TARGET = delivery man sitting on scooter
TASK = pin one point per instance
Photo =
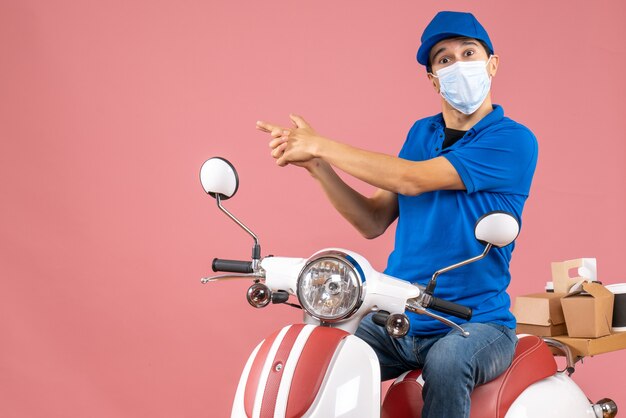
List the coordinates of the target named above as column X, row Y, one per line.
column 453, row 167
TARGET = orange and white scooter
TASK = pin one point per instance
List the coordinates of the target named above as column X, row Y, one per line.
column 320, row 369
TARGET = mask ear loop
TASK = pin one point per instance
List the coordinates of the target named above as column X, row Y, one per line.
column 486, row 64
column 435, row 76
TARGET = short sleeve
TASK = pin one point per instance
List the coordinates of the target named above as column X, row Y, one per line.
column 502, row 160
column 413, row 147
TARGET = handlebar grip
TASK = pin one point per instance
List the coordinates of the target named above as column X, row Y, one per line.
column 450, row 308
column 380, row 318
column 232, row 266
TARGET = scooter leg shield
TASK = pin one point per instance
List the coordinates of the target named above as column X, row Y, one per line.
column 309, row 371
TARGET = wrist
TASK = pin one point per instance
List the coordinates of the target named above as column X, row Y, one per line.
column 316, row 167
column 320, row 146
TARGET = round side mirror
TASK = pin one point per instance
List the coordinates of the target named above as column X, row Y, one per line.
column 497, row 228
column 218, row 176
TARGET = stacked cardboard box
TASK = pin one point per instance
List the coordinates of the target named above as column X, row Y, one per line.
column 540, row 314
column 580, row 315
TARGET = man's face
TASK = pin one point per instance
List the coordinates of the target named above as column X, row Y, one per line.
column 449, row 51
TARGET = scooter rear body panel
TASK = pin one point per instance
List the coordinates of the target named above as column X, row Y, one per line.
column 555, row 396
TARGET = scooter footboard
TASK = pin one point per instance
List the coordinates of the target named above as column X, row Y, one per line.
column 307, row 370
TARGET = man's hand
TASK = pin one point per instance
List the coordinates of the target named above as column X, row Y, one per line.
column 297, row 145
column 300, row 145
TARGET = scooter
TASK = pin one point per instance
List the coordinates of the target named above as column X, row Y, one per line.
column 321, row 369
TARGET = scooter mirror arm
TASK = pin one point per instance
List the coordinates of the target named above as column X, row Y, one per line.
column 256, row 250
column 563, row 348
column 430, row 288
column 415, row 307
column 232, row 276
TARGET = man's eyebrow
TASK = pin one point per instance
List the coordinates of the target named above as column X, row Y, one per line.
column 469, row 43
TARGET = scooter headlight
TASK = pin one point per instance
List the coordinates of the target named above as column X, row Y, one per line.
column 329, row 286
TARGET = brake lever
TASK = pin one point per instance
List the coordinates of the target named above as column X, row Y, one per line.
column 418, row 309
column 232, row 276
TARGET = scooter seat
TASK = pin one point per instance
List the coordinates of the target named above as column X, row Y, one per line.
column 533, row 361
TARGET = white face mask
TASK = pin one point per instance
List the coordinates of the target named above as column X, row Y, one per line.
column 465, row 85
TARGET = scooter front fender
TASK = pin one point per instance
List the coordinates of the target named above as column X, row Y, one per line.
column 309, row 371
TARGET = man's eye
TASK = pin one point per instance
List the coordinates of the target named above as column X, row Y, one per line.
column 469, row 52
column 444, row 61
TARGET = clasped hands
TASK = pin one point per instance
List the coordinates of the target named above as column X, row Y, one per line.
column 298, row 145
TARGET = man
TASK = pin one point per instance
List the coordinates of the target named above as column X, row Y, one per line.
column 453, row 168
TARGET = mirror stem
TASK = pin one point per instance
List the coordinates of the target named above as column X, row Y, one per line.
column 433, row 281
column 256, row 250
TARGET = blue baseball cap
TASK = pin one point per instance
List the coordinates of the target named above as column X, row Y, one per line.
column 451, row 25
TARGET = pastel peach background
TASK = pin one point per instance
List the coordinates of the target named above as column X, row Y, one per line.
column 108, row 109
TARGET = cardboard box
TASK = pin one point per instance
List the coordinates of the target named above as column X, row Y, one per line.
column 540, row 314
column 582, row 347
column 589, row 311
column 541, row 330
column 565, row 274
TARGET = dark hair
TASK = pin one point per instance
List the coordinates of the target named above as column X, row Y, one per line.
column 429, row 68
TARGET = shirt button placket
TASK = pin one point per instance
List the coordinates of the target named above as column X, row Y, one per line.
column 440, row 142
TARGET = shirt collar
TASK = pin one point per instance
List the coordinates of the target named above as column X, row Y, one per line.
column 492, row 117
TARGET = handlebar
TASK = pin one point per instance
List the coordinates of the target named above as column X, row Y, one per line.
column 232, row 266
column 450, row 308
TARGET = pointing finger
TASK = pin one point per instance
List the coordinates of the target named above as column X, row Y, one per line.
column 261, row 126
column 266, row 127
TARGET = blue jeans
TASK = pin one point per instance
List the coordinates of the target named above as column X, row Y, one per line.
column 451, row 364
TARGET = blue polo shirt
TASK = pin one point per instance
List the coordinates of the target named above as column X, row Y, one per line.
column 496, row 161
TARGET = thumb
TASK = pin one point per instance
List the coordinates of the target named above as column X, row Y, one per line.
column 299, row 121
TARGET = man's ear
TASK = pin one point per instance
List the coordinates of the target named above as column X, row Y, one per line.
column 492, row 67
column 435, row 82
